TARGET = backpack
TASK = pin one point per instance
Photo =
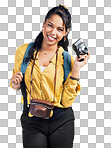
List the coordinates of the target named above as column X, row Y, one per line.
column 66, row 67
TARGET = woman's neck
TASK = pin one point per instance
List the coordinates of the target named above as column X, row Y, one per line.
column 48, row 48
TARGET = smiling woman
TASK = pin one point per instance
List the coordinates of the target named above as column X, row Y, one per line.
column 46, row 59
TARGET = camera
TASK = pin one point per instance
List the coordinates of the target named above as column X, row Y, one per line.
column 80, row 47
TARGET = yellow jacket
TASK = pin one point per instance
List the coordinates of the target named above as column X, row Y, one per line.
column 43, row 83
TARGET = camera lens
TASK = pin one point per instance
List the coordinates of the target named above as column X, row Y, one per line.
column 85, row 50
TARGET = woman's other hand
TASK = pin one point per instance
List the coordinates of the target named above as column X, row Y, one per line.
column 16, row 79
column 84, row 61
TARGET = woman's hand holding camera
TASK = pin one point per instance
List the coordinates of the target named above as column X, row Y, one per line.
column 16, row 79
column 78, row 64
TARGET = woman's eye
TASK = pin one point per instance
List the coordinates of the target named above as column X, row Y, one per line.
column 49, row 25
column 60, row 29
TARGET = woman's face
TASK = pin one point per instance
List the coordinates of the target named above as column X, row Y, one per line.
column 54, row 30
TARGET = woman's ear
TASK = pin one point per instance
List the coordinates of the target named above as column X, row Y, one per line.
column 67, row 31
column 43, row 24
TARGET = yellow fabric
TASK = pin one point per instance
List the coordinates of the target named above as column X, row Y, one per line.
column 43, row 83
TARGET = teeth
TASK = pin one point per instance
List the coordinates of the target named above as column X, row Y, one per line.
column 50, row 37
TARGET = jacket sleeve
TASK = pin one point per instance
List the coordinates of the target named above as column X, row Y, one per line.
column 19, row 54
column 70, row 89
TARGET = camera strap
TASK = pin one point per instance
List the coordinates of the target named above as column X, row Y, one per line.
column 31, row 84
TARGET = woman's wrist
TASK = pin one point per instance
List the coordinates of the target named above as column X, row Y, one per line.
column 75, row 73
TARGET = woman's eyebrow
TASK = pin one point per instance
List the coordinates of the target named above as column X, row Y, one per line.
column 58, row 27
column 51, row 23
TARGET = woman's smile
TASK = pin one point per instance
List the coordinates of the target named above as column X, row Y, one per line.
column 50, row 38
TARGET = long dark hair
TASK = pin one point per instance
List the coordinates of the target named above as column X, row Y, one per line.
column 66, row 17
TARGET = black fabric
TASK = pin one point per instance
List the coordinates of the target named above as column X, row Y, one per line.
column 24, row 93
column 55, row 132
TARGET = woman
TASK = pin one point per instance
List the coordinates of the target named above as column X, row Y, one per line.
column 58, row 130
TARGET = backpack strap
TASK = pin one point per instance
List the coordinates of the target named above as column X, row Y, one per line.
column 24, row 64
column 67, row 64
column 23, row 86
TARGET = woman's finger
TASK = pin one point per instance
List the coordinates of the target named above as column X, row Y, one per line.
column 18, row 76
column 88, row 54
column 14, row 80
column 17, row 79
column 16, row 85
column 83, row 56
column 19, row 73
column 86, row 61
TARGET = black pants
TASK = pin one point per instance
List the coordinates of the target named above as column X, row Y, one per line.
column 55, row 132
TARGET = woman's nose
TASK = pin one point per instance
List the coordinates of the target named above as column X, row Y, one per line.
column 53, row 31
